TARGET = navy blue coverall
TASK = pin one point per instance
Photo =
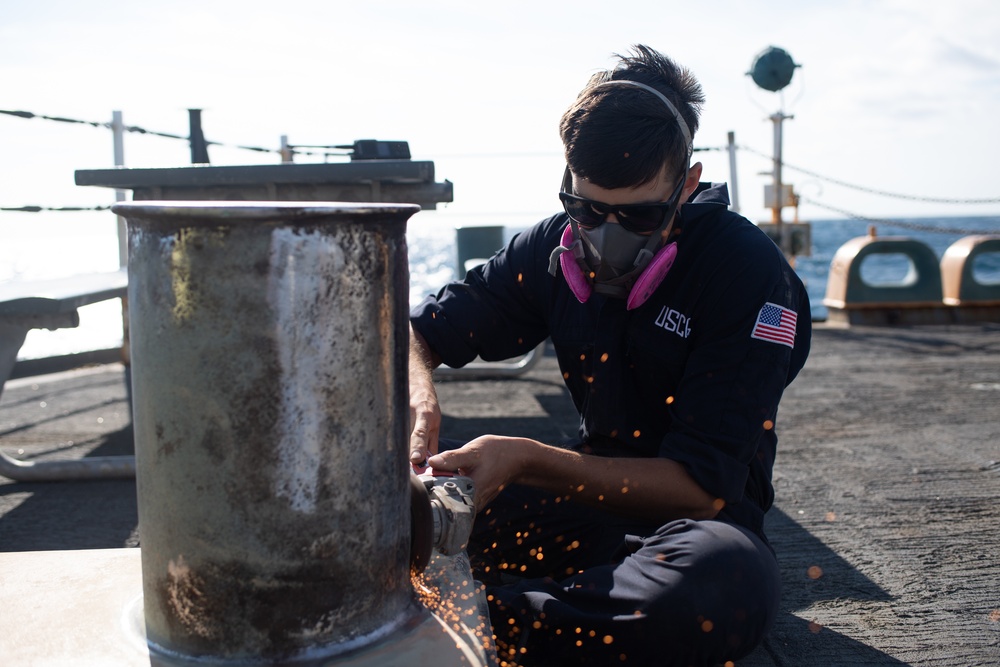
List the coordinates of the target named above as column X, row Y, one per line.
column 694, row 375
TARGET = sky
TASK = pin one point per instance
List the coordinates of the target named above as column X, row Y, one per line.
column 899, row 96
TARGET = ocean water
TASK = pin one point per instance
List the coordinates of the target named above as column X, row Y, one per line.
column 31, row 251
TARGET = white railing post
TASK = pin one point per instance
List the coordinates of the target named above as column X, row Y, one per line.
column 118, row 132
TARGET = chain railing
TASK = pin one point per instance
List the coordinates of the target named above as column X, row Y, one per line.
column 338, row 151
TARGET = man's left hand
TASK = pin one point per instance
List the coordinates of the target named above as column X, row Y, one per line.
column 490, row 461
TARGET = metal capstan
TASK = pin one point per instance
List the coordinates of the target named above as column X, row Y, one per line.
column 269, row 352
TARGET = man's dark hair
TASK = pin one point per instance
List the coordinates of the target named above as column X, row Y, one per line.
column 622, row 136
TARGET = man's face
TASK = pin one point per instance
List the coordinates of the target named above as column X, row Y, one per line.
column 656, row 191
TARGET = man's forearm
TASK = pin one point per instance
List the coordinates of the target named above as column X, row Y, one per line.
column 659, row 490
column 421, row 353
column 653, row 488
column 425, row 413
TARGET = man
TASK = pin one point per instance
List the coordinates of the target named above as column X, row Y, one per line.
column 677, row 327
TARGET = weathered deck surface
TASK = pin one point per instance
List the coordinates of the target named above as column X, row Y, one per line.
column 887, row 521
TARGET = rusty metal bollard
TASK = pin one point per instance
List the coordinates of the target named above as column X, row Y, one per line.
column 269, row 351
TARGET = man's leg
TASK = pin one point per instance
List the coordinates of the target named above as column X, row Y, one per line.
column 526, row 533
column 693, row 592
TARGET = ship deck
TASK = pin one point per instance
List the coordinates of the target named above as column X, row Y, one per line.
column 887, row 486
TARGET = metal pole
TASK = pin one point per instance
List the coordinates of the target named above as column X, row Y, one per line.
column 776, row 204
column 94, row 467
column 734, row 191
column 199, row 149
column 270, row 415
column 286, row 150
column 118, row 132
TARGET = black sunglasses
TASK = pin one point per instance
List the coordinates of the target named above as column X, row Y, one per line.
column 638, row 218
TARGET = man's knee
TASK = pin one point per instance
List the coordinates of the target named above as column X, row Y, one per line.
column 721, row 592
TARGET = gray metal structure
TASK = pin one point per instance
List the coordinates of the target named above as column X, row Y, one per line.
column 269, row 390
column 377, row 181
column 269, row 352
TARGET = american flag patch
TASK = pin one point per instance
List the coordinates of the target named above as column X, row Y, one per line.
column 775, row 325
